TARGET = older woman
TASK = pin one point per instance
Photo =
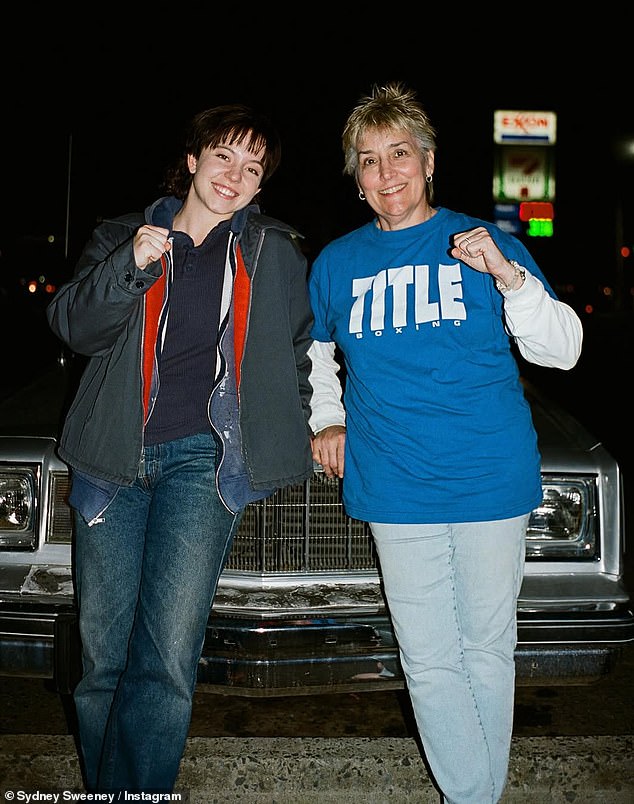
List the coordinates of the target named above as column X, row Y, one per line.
column 434, row 433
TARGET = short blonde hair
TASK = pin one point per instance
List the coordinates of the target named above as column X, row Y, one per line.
column 392, row 106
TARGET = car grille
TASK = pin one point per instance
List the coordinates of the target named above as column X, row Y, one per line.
column 302, row 528
column 60, row 521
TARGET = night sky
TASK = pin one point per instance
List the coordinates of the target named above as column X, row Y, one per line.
column 118, row 110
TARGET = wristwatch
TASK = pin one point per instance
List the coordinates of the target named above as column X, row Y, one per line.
column 517, row 280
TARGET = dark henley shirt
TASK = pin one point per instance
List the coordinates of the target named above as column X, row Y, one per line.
column 187, row 360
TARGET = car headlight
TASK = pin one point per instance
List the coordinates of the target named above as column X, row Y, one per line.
column 565, row 525
column 17, row 508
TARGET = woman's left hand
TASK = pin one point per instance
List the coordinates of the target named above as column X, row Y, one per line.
column 479, row 251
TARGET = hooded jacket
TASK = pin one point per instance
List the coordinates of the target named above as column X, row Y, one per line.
column 115, row 314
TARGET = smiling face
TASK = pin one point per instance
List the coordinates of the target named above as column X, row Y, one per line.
column 226, row 178
column 391, row 175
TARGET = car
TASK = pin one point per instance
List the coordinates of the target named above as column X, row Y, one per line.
column 300, row 608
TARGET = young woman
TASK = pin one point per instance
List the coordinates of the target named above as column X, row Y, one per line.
column 195, row 400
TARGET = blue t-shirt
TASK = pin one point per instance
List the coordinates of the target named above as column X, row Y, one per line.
column 438, row 428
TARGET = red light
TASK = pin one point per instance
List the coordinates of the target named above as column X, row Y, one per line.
column 625, row 251
column 536, row 209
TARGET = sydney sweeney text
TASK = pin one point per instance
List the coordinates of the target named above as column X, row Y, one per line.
column 39, row 796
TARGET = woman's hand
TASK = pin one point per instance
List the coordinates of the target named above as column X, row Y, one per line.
column 479, row 251
column 328, row 449
column 149, row 244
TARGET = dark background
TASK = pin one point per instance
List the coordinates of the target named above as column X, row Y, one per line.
column 94, row 110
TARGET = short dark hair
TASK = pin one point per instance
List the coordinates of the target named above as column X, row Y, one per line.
column 231, row 123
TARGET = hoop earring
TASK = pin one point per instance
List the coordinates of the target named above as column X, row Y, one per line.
column 429, row 179
column 361, row 196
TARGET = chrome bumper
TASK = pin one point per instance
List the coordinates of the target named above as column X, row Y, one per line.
column 281, row 656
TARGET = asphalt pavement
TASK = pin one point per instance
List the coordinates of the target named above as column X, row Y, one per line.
column 582, row 770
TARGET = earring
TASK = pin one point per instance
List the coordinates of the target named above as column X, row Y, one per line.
column 429, row 178
column 361, row 196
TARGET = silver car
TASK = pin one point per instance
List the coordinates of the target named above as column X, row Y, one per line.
column 300, row 609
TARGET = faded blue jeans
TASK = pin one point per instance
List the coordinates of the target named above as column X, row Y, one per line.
column 146, row 576
column 452, row 592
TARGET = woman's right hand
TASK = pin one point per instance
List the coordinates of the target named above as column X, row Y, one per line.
column 149, row 244
column 328, row 449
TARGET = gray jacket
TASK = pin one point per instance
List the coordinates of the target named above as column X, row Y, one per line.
column 110, row 312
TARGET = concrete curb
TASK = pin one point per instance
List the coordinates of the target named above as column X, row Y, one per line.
column 560, row 770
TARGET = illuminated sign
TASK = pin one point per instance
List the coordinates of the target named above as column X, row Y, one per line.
column 523, row 174
column 540, row 227
column 524, row 128
column 536, row 209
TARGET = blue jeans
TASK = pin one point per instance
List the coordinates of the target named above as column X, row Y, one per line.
column 452, row 592
column 146, row 576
